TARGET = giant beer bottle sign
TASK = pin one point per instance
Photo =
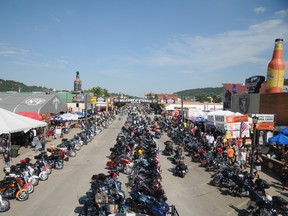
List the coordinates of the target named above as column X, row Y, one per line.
column 276, row 69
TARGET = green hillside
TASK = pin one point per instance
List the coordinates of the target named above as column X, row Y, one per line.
column 10, row 85
column 202, row 94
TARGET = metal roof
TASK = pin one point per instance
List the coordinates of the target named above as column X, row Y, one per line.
column 32, row 102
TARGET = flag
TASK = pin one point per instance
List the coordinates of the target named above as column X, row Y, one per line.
column 243, row 127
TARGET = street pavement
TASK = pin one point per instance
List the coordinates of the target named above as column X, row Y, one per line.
column 192, row 192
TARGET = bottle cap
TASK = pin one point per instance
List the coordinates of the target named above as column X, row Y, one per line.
column 279, row 39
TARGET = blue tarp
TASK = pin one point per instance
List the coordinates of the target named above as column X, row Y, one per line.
column 280, row 139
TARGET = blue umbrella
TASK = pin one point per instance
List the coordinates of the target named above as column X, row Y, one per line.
column 199, row 119
column 284, row 131
column 280, row 139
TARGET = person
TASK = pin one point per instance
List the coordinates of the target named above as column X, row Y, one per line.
column 257, row 163
column 284, row 176
column 7, row 158
column 243, row 158
column 101, row 199
column 43, row 142
column 230, row 153
column 36, row 143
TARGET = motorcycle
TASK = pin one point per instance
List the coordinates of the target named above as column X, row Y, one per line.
column 168, row 148
column 148, row 204
column 11, row 188
column 262, row 204
column 181, row 170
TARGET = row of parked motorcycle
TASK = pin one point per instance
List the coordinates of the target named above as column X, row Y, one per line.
column 136, row 155
column 228, row 178
column 20, row 179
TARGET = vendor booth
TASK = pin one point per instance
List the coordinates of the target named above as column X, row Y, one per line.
column 233, row 125
column 11, row 123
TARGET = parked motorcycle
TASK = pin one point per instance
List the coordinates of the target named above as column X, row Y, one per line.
column 11, row 188
column 181, row 170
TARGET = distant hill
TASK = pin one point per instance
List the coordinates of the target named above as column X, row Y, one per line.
column 200, row 91
column 10, row 85
column 202, row 94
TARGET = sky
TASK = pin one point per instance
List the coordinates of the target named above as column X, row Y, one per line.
column 139, row 46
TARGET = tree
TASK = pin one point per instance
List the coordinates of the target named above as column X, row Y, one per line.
column 99, row 92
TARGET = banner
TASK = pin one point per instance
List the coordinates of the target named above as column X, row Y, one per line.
column 234, row 119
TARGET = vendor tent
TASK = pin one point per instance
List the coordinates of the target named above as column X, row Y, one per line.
column 11, row 122
column 280, row 139
column 69, row 116
column 32, row 115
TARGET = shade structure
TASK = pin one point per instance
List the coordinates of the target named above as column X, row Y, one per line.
column 69, row 116
column 12, row 122
column 280, row 139
column 199, row 119
column 32, row 115
column 284, row 131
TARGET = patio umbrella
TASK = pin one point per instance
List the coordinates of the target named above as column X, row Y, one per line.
column 199, row 119
column 280, row 139
column 284, row 131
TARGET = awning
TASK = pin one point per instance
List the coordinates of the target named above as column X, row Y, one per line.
column 32, row 115
column 11, row 122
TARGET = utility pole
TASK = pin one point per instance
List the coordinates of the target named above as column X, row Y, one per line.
column 182, row 112
column 86, row 121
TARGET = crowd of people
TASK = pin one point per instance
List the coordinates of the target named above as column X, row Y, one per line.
column 236, row 150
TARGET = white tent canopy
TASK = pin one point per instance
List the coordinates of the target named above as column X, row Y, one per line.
column 11, row 122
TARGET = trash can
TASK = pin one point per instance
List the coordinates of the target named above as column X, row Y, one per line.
column 14, row 151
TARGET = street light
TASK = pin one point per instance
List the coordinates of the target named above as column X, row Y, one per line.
column 254, row 121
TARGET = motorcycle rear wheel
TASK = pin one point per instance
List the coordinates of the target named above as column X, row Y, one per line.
column 29, row 188
column 35, row 181
column 4, row 205
column 43, row 176
column 22, row 195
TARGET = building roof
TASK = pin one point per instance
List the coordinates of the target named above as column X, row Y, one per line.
column 32, row 102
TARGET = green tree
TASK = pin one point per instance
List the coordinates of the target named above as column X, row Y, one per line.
column 99, row 92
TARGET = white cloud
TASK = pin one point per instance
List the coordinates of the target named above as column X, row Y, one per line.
column 282, row 13
column 6, row 50
column 259, row 10
column 220, row 51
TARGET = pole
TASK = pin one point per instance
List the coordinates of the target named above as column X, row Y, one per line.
column 86, row 121
column 252, row 151
column 182, row 112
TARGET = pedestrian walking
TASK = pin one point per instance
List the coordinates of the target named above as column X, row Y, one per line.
column 43, row 142
column 230, row 153
column 36, row 143
column 243, row 158
column 7, row 158
column 257, row 163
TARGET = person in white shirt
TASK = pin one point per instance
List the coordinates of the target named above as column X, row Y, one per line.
column 243, row 158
